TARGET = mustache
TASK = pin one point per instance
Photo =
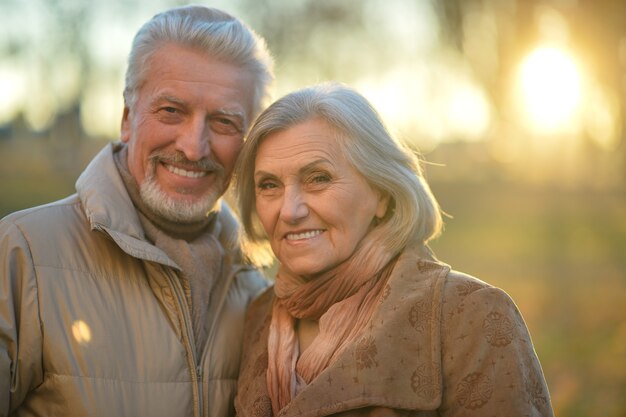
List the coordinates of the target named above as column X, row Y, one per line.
column 206, row 164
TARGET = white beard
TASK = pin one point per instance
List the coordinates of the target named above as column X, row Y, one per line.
column 177, row 210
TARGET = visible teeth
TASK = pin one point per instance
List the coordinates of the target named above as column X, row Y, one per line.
column 305, row 235
column 184, row 172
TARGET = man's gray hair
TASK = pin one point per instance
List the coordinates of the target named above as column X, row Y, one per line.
column 204, row 29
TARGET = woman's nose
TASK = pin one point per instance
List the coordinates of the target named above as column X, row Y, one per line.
column 294, row 207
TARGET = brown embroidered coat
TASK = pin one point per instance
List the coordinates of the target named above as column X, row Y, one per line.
column 441, row 343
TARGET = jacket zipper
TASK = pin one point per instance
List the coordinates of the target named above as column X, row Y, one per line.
column 208, row 347
column 200, row 385
column 188, row 339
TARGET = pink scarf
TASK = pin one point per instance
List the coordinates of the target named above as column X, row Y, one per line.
column 342, row 299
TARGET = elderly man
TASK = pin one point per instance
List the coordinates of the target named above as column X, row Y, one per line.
column 127, row 298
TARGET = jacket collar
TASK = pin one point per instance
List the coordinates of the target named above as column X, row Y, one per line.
column 394, row 364
column 109, row 208
column 104, row 196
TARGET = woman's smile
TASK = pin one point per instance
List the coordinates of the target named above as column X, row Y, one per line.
column 298, row 236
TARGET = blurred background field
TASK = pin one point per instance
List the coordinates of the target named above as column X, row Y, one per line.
column 518, row 107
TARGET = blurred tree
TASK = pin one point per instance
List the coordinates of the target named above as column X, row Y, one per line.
column 52, row 53
column 316, row 40
column 495, row 36
column 65, row 53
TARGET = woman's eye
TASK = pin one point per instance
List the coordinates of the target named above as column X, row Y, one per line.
column 266, row 186
column 321, row 178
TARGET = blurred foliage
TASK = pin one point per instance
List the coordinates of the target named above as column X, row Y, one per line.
column 543, row 217
column 560, row 255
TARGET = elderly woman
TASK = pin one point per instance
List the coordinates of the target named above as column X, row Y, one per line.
column 363, row 320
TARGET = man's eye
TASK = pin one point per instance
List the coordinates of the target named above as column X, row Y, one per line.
column 170, row 115
column 224, row 121
column 225, row 126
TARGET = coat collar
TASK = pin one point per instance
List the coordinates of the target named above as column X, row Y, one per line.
column 104, row 196
column 110, row 209
column 395, row 363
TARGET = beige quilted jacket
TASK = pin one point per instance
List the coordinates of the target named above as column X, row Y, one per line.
column 93, row 319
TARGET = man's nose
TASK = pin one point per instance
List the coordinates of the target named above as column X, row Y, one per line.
column 195, row 141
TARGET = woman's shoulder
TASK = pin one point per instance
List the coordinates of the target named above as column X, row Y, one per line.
column 261, row 305
column 264, row 299
column 462, row 284
column 425, row 277
column 468, row 302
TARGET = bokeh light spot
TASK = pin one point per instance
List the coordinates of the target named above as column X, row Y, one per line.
column 81, row 332
column 550, row 89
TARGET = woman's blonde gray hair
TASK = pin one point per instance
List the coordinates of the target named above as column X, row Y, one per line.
column 390, row 167
column 209, row 30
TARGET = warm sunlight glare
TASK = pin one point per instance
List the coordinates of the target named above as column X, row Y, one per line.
column 430, row 105
column 550, row 89
column 468, row 112
column 12, row 91
column 101, row 109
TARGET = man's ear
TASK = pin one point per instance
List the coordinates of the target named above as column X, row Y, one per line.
column 125, row 127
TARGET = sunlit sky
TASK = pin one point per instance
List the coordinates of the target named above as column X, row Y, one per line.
column 434, row 94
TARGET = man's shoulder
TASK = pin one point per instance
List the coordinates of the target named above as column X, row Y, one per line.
column 252, row 280
column 46, row 217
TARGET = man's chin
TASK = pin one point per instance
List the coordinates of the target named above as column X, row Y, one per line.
column 182, row 208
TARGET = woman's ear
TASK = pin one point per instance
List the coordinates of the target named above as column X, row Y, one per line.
column 383, row 204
